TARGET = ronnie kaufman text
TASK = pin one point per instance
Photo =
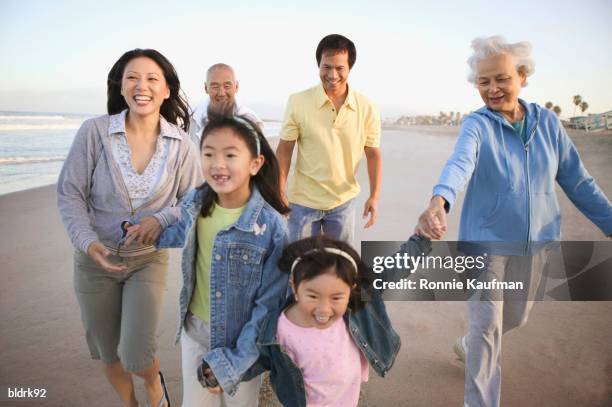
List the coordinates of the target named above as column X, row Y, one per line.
column 424, row 284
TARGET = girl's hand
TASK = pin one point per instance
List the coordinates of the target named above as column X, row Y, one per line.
column 432, row 222
column 210, row 377
column 215, row 390
column 146, row 232
column 98, row 253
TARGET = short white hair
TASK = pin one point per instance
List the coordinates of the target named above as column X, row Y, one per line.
column 485, row 47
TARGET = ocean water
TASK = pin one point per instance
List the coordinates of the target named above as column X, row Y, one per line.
column 33, row 147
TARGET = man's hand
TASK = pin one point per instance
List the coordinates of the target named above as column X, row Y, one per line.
column 224, row 108
column 284, row 152
column 283, row 197
column 98, row 253
column 146, row 232
column 374, row 162
column 432, row 222
column 371, row 207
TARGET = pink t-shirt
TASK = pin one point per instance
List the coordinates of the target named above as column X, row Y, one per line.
column 331, row 364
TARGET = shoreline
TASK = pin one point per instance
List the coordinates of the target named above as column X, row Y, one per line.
column 15, row 185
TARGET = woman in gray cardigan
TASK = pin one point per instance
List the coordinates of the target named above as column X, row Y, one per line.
column 132, row 165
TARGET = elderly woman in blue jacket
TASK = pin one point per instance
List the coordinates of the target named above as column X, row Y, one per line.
column 509, row 153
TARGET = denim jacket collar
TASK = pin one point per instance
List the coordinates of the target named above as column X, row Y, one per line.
column 248, row 218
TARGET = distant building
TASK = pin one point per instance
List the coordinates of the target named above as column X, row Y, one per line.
column 452, row 119
column 593, row 122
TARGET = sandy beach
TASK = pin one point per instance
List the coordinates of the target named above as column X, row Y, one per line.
column 562, row 357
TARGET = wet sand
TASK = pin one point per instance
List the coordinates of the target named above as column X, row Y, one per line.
column 562, row 357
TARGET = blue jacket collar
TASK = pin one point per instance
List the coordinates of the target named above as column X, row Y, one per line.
column 251, row 213
column 532, row 113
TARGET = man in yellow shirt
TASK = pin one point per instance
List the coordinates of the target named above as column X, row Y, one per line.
column 333, row 126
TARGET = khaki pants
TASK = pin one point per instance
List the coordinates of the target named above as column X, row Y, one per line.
column 120, row 311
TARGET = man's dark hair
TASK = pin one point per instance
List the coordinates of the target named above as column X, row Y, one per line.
column 336, row 43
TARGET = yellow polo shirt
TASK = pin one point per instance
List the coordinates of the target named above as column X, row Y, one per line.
column 330, row 145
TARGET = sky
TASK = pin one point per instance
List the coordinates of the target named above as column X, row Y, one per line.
column 411, row 55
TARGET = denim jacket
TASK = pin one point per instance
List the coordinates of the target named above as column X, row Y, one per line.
column 245, row 282
column 369, row 327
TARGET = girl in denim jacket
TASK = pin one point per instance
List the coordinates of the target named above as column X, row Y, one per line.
column 233, row 233
column 319, row 346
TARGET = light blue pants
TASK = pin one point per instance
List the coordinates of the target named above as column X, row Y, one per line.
column 337, row 223
column 491, row 314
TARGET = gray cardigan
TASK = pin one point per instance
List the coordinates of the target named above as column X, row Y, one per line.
column 93, row 200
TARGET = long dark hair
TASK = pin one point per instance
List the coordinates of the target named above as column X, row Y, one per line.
column 315, row 261
column 174, row 109
column 266, row 178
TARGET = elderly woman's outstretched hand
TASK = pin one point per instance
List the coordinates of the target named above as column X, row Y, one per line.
column 432, row 222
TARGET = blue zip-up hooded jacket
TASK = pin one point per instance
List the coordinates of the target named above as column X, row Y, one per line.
column 511, row 184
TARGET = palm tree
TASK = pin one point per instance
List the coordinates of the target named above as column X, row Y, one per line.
column 441, row 117
column 557, row 110
column 584, row 106
column 577, row 100
column 549, row 105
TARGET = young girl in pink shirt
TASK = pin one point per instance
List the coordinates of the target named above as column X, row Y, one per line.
column 319, row 346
